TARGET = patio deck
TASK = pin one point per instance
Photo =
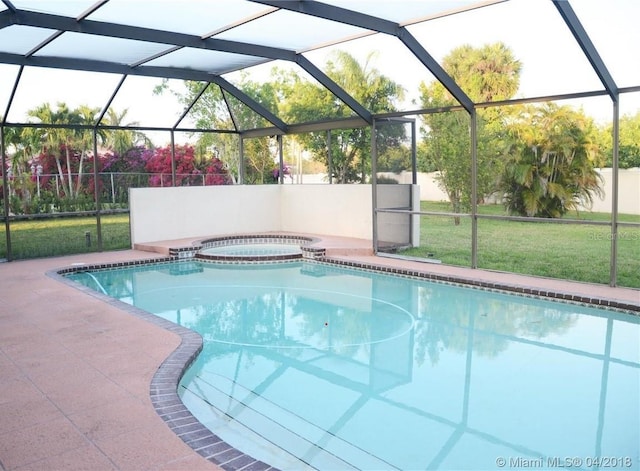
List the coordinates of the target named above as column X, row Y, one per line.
column 75, row 372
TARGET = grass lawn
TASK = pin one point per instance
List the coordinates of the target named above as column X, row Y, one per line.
column 63, row 236
column 566, row 251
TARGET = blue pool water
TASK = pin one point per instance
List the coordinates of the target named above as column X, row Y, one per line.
column 308, row 365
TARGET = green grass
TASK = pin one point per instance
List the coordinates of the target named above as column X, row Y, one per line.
column 63, row 236
column 566, row 251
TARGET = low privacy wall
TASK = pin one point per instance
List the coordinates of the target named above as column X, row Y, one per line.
column 339, row 210
column 159, row 214
column 629, row 191
column 181, row 212
column 186, row 212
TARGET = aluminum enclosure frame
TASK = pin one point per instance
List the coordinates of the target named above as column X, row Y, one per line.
column 362, row 117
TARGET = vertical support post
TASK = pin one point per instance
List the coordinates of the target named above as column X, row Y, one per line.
column 474, row 188
column 298, row 152
column 173, row 158
column 96, row 188
column 5, row 179
column 415, row 193
column 414, row 156
column 363, row 172
column 613, row 263
column 113, row 189
column 329, row 161
column 280, row 160
column 374, row 186
column 5, row 193
column 241, row 160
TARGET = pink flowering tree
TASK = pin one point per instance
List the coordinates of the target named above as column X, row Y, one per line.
column 189, row 171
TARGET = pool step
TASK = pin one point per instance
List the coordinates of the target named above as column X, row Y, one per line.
column 291, row 433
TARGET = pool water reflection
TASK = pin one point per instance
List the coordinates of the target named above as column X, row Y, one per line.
column 311, row 365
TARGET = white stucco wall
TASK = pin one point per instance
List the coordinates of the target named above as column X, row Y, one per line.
column 629, row 191
column 192, row 212
column 340, row 210
column 182, row 212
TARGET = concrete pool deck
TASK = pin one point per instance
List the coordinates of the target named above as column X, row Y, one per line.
column 75, row 371
column 75, row 375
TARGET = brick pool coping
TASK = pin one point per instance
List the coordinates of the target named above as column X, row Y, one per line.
column 164, row 385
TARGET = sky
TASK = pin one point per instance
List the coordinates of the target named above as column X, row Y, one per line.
column 552, row 61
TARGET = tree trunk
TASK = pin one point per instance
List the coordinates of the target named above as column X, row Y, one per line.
column 79, row 182
column 70, row 182
column 455, row 203
column 61, row 176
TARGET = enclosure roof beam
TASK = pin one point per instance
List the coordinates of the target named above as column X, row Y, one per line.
column 191, row 105
column 148, row 71
column 334, row 88
column 436, row 69
column 90, row 65
column 113, row 30
column 353, row 18
column 318, row 126
column 9, row 5
column 3, row 118
column 59, row 33
column 584, row 41
column 106, row 106
column 6, row 18
column 250, row 102
column 173, row 40
column 334, row 13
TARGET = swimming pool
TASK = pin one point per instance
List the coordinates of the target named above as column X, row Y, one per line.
column 310, row 365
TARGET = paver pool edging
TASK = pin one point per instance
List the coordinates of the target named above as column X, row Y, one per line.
column 513, row 289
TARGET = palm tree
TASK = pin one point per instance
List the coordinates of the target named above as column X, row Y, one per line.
column 304, row 101
column 551, row 162
column 13, row 140
column 121, row 140
column 57, row 140
column 86, row 116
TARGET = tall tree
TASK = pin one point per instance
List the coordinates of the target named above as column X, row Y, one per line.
column 70, row 146
column 56, row 140
column 260, row 154
column 219, row 110
column 304, row 101
column 629, row 145
column 20, row 149
column 84, row 139
column 551, row 162
column 121, row 140
column 18, row 156
column 486, row 74
column 297, row 100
